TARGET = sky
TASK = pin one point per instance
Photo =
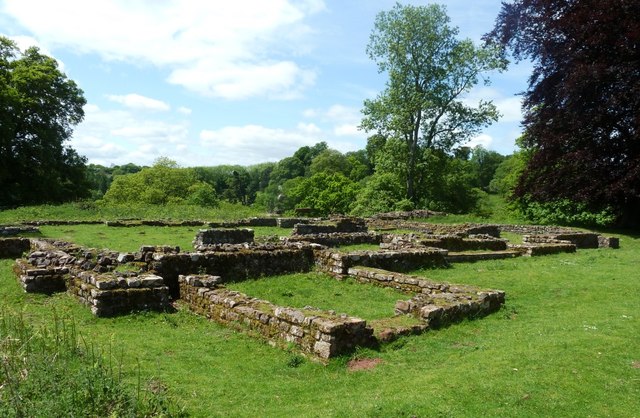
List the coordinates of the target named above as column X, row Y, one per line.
column 207, row 82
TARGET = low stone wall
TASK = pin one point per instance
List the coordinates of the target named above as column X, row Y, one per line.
column 223, row 236
column 40, row 280
column 448, row 242
column 337, row 263
column 608, row 242
column 438, row 304
column 80, row 273
column 255, row 221
column 109, row 294
column 338, row 238
column 344, row 225
column 151, row 222
column 401, row 215
column 533, row 250
column 240, row 264
column 291, row 222
column 10, row 231
column 14, row 247
column 579, row 239
column 534, row 229
column 451, row 303
column 316, row 332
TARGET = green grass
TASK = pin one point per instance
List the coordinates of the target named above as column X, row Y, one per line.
column 566, row 343
column 89, row 211
column 324, row 292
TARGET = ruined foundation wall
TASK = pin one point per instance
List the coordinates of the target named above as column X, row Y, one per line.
column 338, row 238
column 14, row 247
column 232, row 265
column 338, row 263
column 316, row 332
column 109, row 295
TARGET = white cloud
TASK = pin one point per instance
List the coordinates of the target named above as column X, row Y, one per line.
column 120, row 136
column 483, row 139
column 233, row 50
column 510, row 107
column 184, row 110
column 348, row 130
column 251, row 144
column 138, row 102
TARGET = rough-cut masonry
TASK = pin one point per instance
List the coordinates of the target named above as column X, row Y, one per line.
column 222, row 236
column 338, row 263
column 111, row 294
column 579, row 239
column 291, row 222
column 10, row 231
column 107, row 294
column 443, row 304
column 316, row 332
column 41, row 280
column 538, row 249
column 336, row 239
column 340, row 225
column 448, row 242
column 234, row 263
column 403, row 215
column 14, row 247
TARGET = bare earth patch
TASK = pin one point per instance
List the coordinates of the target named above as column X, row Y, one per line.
column 635, row 364
column 363, row 364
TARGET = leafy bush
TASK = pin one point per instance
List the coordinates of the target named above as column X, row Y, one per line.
column 163, row 183
column 564, row 212
column 381, row 193
column 325, row 193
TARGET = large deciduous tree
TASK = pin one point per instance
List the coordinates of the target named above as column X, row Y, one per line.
column 39, row 106
column 582, row 106
column 430, row 70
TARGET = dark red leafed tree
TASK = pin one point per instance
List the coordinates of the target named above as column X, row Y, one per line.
column 582, row 106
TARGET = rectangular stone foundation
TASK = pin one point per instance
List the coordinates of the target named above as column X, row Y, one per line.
column 108, row 295
column 316, row 332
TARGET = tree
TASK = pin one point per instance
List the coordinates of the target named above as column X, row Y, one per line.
column 325, row 193
column 330, row 161
column 582, row 104
column 161, row 184
column 39, row 106
column 484, row 164
column 429, row 72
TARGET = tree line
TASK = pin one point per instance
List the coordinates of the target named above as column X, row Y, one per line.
column 319, row 179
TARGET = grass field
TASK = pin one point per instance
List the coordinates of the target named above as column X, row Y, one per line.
column 566, row 343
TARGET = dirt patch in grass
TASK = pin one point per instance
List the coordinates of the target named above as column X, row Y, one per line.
column 363, row 364
column 635, row 364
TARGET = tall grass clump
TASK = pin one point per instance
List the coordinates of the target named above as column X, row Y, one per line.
column 52, row 372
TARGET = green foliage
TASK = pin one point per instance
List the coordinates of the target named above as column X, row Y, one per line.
column 330, row 161
column 484, row 164
column 161, row 184
column 507, row 173
column 429, row 70
column 325, row 194
column 564, row 212
column 39, row 106
column 380, row 193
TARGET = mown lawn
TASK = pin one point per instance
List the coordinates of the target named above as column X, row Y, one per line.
column 567, row 343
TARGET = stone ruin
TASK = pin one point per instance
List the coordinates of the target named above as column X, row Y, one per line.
column 113, row 283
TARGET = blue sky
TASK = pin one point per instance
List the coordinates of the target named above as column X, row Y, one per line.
column 241, row 82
